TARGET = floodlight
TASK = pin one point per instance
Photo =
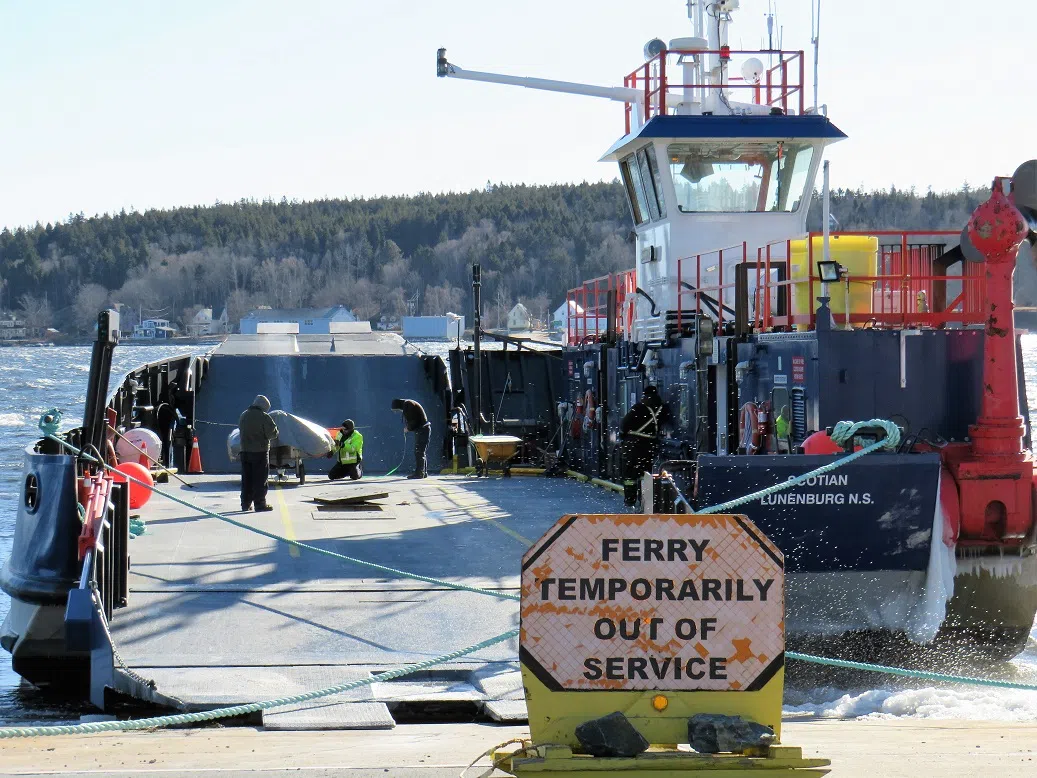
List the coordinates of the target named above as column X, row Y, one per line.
column 829, row 271
column 654, row 48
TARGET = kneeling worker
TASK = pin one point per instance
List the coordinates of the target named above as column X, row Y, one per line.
column 349, row 446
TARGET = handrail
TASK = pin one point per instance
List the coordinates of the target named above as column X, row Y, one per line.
column 104, row 541
column 909, row 289
column 774, row 88
column 590, row 301
column 700, row 292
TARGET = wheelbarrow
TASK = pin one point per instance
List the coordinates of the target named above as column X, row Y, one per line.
column 494, row 452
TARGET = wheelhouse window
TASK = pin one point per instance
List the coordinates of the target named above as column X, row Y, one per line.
column 644, row 188
column 651, row 193
column 740, row 177
column 635, row 191
column 657, row 184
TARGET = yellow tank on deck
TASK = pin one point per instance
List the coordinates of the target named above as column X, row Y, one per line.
column 858, row 254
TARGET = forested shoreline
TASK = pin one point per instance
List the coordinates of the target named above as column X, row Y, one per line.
column 383, row 256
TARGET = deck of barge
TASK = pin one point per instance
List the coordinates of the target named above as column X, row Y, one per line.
column 219, row 615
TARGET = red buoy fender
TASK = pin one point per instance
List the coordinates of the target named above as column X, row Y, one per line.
column 139, row 495
column 821, row 443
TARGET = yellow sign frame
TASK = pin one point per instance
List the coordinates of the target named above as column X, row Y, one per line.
column 661, row 716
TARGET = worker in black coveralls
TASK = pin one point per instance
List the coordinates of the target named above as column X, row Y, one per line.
column 257, row 429
column 639, row 432
column 415, row 420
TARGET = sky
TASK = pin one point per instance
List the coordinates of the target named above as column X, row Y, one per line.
column 134, row 105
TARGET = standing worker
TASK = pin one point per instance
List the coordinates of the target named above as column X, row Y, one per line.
column 349, row 446
column 415, row 420
column 639, row 432
column 257, row 429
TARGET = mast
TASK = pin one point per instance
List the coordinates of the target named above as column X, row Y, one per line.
column 815, row 39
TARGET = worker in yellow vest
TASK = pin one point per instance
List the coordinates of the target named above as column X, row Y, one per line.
column 349, row 450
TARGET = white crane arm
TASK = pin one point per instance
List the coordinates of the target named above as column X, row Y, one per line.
column 619, row 93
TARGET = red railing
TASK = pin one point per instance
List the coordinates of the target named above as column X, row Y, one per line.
column 587, row 309
column 709, row 292
column 910, row 288
column 774, row 89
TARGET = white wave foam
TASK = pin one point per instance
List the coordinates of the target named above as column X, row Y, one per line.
column 12, row 420
column 977, row 703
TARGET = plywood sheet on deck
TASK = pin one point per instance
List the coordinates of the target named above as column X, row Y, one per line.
column 351, row 497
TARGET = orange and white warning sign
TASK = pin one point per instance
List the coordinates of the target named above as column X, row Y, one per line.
column 629, row 601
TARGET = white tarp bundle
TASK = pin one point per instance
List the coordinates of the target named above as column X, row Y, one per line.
column 307, row 437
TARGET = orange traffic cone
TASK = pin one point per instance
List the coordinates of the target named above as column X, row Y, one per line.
column 195, row 465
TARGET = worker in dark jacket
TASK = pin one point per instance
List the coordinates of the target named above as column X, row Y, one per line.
column 639, row 432
column 257, row 429
column 415, row 420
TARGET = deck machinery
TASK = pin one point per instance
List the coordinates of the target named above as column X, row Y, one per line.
column 761, row 336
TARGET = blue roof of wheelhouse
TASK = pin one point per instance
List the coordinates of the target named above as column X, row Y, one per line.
column 777, row 127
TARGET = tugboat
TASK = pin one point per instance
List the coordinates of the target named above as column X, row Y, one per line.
column 760, row 337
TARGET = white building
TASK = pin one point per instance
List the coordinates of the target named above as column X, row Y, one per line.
column 204, row 324
column 306, row 321
column 520, row 319
column 570, row 315
column 12, row 328
column 448, row 327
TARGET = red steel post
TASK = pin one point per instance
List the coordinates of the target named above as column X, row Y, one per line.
column 996, row 229
column 995, row 472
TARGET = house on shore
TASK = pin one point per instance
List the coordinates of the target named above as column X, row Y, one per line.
column 12, row 328
column 306, row 321
column 153, row 329
column 202, row 323
column 520, row 319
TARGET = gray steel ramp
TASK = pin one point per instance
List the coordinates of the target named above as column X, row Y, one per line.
column 324, row 389
column 219, row 615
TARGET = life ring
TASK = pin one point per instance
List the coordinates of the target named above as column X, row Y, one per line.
column 748, row 431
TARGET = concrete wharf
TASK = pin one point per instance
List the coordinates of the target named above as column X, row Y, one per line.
column 891, row 748
column 218, row 615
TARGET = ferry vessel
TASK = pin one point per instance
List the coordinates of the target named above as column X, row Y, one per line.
column 759, row 337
